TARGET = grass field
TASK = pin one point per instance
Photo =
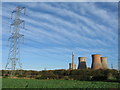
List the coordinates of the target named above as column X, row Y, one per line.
column 33, row 83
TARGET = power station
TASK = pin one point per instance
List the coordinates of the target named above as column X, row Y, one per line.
column 98, row 62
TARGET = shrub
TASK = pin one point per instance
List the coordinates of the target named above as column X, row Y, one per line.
column 110, row 77
column 79, row 74
column 66, row 78
column 47, row 77
column 99, row 78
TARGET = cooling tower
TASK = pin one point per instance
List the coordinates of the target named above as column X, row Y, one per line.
column 82, row 63
column 96, row 61
column 104, row 62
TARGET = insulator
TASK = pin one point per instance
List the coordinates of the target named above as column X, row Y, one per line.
column 10, row 30
column 23, row 40
column 11, row 15
column 8, row 43
column 24, row 25
column 24, row 11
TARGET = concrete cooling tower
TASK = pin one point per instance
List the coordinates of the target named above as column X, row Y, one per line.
column 104, row 62
column 82, row 63
column 96, row 62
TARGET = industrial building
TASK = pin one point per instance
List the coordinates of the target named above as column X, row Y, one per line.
column 82, row 63
column 98, row 62
column 104, row 62
column 72, row 65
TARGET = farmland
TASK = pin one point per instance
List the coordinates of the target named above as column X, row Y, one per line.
column 34, row 83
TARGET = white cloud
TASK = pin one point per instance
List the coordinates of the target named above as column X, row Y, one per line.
column 57, row 26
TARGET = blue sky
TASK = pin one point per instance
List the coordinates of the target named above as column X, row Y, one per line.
column 56, row 29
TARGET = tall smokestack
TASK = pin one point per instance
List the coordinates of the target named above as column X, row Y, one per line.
column 96, row 61
column 104, row 62
column 72, row 57
column 82, row 63
column 72, row 65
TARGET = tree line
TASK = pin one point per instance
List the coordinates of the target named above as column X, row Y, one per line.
column 78, row 74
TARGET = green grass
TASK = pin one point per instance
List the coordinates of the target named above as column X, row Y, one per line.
column 33, row 83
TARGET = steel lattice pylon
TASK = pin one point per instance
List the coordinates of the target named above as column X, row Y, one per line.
column 15, row 38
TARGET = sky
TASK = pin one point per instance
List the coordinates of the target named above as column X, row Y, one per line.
column 56, row 29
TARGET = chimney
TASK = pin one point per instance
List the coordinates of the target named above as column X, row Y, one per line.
column 72, row 65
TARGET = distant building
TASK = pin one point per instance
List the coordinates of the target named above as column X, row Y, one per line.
column 96, row 62
column 82, row 63
column 104, row 62
column 72, row 65
column 99, row 62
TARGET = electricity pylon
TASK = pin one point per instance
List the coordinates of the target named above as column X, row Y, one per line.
column 15, row 38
